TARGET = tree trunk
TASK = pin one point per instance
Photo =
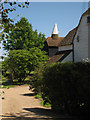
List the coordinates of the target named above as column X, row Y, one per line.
column 12, row 77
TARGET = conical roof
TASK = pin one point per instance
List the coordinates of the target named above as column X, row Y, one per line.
column 55, row 29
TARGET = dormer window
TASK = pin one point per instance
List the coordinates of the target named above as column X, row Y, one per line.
column 88, row 19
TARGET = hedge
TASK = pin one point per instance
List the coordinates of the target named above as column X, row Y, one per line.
column 66, row 86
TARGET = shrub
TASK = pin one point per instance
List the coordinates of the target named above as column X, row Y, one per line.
column 66, row 86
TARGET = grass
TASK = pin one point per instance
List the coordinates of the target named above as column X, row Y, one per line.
column 5, row 83
column 7, row 86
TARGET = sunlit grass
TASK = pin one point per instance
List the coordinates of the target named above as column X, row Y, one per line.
column 5, row 83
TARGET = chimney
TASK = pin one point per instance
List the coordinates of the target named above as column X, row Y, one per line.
column 55, row 32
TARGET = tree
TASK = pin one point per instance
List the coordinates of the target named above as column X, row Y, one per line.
column 21, row 62
column 25, row 48
column 22, row 36
column 5, row 8
column 8, row 66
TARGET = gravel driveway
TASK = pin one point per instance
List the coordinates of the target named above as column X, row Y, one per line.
column 20, row 104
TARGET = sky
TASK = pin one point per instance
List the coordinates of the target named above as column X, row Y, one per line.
column 43, row 16
column 49, row 0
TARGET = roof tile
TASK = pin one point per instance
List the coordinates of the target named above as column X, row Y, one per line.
column 53, row 42
column 68, row 39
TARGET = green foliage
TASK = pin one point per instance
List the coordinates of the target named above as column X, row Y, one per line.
column 36, row 81
column 22, row 36
column 7, row 7
column 8, row 87
column 66, row 86
column 21, row 62
column 38, row 96
column 26, row 50
column 5, row 66
column 43, row 103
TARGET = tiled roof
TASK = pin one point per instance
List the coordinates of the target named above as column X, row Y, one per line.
column 68, row 39
column 53, row 42
column 59, row 56
column 63, row 41
column 54, row 59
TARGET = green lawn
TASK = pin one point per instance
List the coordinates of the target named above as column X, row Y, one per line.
column 5, row 83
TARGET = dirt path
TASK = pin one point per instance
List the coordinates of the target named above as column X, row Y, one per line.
column 19, row 103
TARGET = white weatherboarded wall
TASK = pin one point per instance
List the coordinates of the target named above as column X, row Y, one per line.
column 68, row 58
column 81, row 41
column 65, row 48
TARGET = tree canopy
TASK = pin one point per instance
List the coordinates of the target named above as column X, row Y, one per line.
column 22, row 36
column 26, row 48
column 21, row 62
column 5, row 8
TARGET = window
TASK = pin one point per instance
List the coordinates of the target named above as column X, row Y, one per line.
column 88, row 19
